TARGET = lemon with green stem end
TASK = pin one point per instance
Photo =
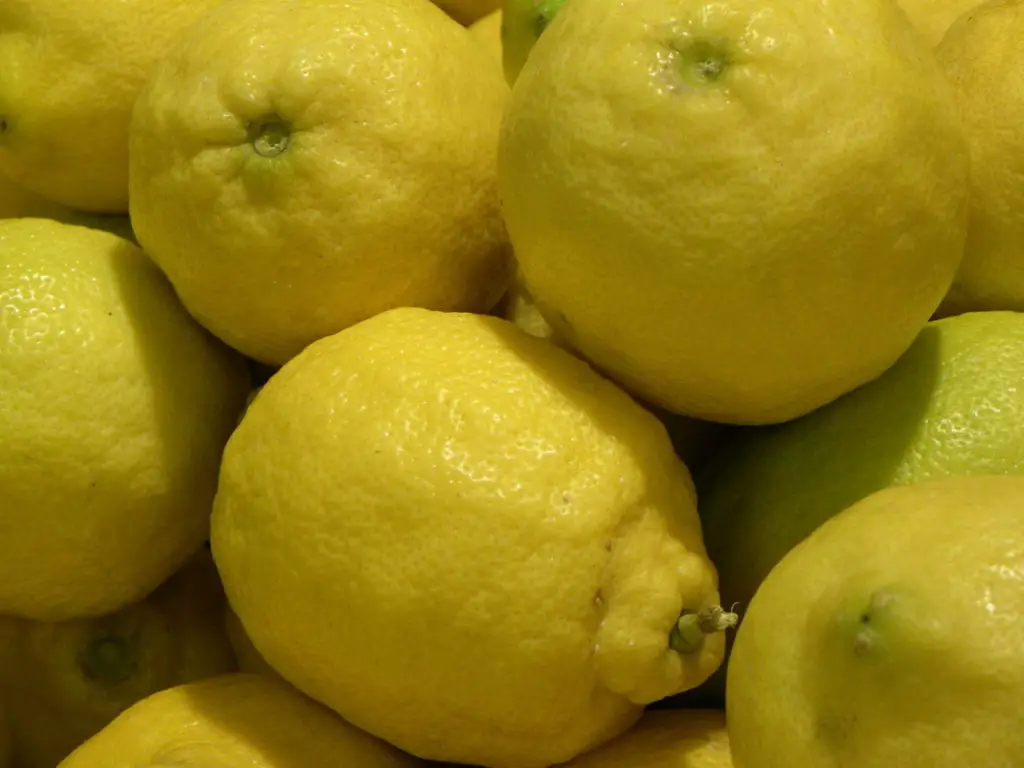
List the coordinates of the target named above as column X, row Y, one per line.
column 62, row 682
column 673, row 175
column 891, row 636
column 298, row 168
column 508, row 531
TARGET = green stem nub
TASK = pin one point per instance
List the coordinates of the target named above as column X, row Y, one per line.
column 269, row 138
column 109, row 658
column 693, row 626
column 546, row 12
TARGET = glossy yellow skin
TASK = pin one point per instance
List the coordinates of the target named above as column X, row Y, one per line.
column 463, row 540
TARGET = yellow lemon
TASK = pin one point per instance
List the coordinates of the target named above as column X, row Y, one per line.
column 666, row 738
column 890, row 637
column 468, row 11
column 465, row 541
column 65, row 681
column 115, row 407
column 233, row 721
column 297, row 168
column 933, row 18
column 675, row 175
column 984, row 60
column 72, row 70
column 487, row 31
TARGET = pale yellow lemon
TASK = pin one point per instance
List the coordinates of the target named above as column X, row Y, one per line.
column 983, row 58
column 233, row 721
column 739, row 211
column 666, row 738
column 465, row 541
column 297, row 168
column 115, row 407
column 892, row 636
column 72, row 70
column 64, row 681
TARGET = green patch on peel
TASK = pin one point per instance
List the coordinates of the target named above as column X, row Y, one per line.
column 269, row 137
column 700, row 62
column 109, row 658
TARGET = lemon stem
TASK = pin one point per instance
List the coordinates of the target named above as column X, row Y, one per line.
column 109, row 658
column 693, row 626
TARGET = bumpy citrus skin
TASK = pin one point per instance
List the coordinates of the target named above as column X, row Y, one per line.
column 738, row 211
column 65, row 681
column 233, row 721
column 984, row 61
column 463, row 540
column 892, row 636
column 299, row 168
column 667, row 738
column 116, row 406
column 72, row 71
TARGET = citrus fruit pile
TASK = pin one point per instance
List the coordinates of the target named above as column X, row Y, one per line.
column 598, row 383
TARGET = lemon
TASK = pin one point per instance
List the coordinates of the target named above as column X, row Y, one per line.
column 115, row 407
column 17, row 202
column 890, row 637
column 952, row 405
column 933, row 18
column 487, row 31
column 667, row 738
column 297, row 168
column 468, row 11
column 72, row 70
column 983, row 59
column 65, row 681
column 674, row 176
column 232, row 721
column 465, row 541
